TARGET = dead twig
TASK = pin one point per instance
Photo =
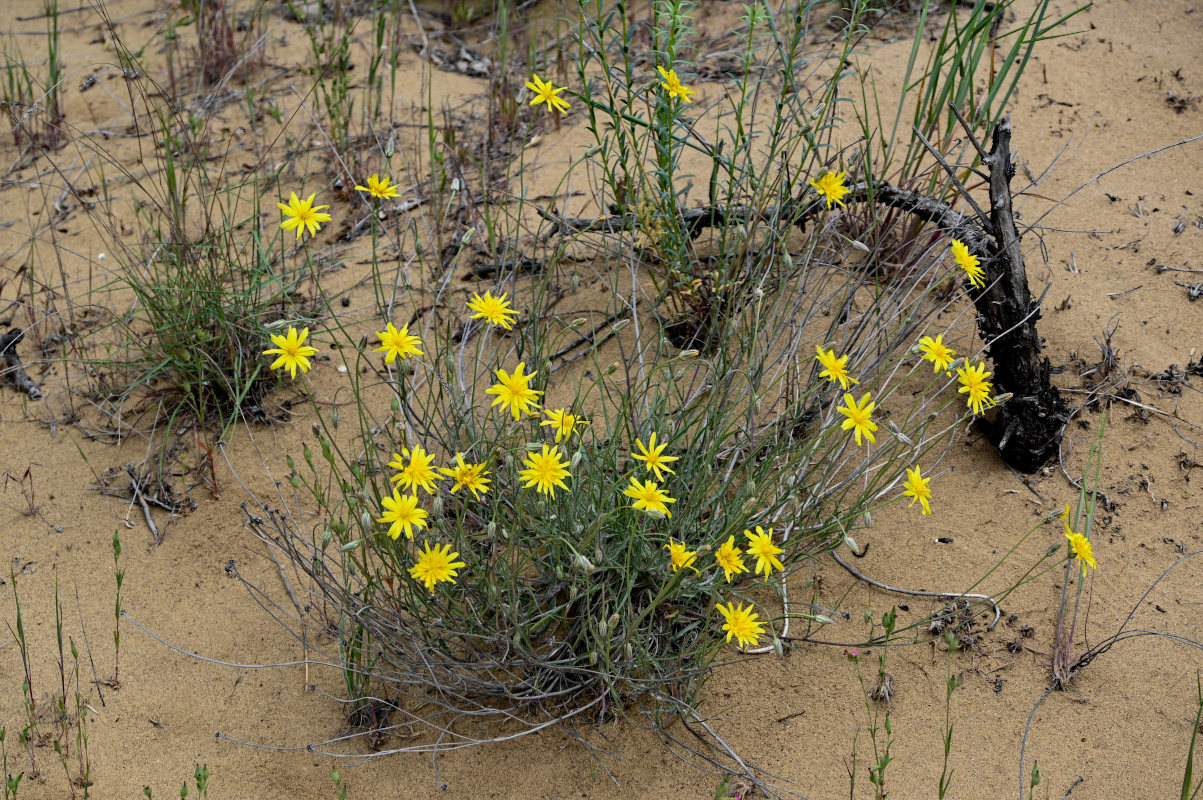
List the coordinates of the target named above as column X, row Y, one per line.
column 14, row 369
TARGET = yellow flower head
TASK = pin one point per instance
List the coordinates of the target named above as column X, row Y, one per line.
column 436, row 565
column 968, row 262
column 648, row 496
column 652, row 459
column 303, row 215
column 1081, row 548
column 547, row 93
column 679, row 557
column 935, row 351
column 973, row 383
column 545, row 471
column 859, row 413
column 917, row 489
column 467, row 476
column 831, row 186
column 418, row 472
column 292, row 351
column 672, row 84
column 834, row 369
column 741, row 623
column 760, row 545
column 728, row 557
column 379, row 188
column 514, row 392
column 402, row 512
column 395, row 343
column 493, row 309
column 562, row 423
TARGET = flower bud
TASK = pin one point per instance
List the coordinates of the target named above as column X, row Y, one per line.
column 612, row 622
column 436, row 507
column 585, row 564
column 575, row 461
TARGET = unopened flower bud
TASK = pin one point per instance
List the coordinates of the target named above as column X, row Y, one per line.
column 436, row 507
column 585, row 564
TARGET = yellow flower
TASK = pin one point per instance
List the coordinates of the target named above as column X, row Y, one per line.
column 292, row 350
column 303, row 215
column 402, row 512
column 395, row 343
column 418, row 472
column 562, row 423
column 545, row 471
column 858, row 417
column 973, row 382
column 547, row 93
column 728, row 557
column 917, row 488
column 968, row 262
column 467, row 476
column 1080, row 545
column 672, row 85
column 379, row 188
column 514, row 392
column 760, row 545
column 834, row 369
column 652, row 458
column 831, row 186
column 935, row 351
column 679, row 557
column 648, row 496
column 436, row 565
column 493, row 309
column 741, row 623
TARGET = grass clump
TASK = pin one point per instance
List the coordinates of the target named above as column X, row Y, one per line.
column 541, row 517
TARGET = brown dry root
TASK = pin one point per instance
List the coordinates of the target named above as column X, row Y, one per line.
column 1027, row 429
column 11, row 368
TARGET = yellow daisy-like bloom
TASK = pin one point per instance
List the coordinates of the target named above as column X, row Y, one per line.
column 395, row 343
column 562, row 423
column 679, row 557
column 493, row 309
column 467, row 476
column 760, row 545
column 834, row 369
column 1080, row 545
column 973, row 383
column 402, row 512
column 741, row 623
column 436, row 565
column 917, row 489
column 858, row 413
column 648, row 496
column 545, row 471
column 514, row 392
column 652, row 458
column 832, row 187
column 672, row 84
column 547, row 93
column 292, row 351
column 418, row 472
column 935, row 351
column 968, row 262
column 728, row 557
column 379, row 188
column 303, row 215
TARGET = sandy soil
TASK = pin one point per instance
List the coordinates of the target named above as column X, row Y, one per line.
column 1089, row 102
